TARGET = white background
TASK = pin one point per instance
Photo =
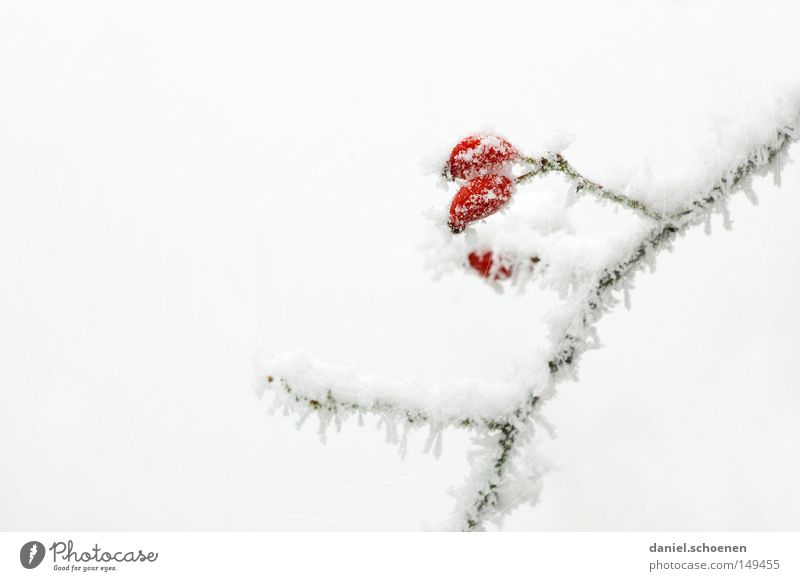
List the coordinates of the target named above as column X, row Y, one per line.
column 183, row 185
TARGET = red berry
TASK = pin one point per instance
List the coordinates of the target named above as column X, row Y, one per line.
column 480, row 154
column 478, row 198
column 483, row 263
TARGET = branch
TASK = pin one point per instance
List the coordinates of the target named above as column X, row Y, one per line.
column 597, row 301
column 488, row 496
column 340, row 405
column 302, row 383
column 557, row 163
column 503, row 415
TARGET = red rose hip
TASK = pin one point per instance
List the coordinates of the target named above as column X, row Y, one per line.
column 478, row 198
column 479, row 155
column 484, row 264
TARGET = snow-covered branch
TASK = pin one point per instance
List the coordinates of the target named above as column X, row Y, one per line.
column 490, row 501
column 592, row 276
column 302, row 383
column 557, row 163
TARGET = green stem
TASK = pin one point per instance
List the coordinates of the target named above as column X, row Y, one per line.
column 557, row 163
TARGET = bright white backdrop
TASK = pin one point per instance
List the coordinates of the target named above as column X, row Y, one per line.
column 183, row 185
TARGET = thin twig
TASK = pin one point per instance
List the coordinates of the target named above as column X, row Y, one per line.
column 569, row 348
column 557, row 163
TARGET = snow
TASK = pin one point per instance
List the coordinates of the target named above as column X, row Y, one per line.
column 586, row 276
column 441, row 400
column 540, row 223
column 730, row 137
column 537, row 225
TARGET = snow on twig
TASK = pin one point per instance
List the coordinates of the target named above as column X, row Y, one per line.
column 503, row 415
